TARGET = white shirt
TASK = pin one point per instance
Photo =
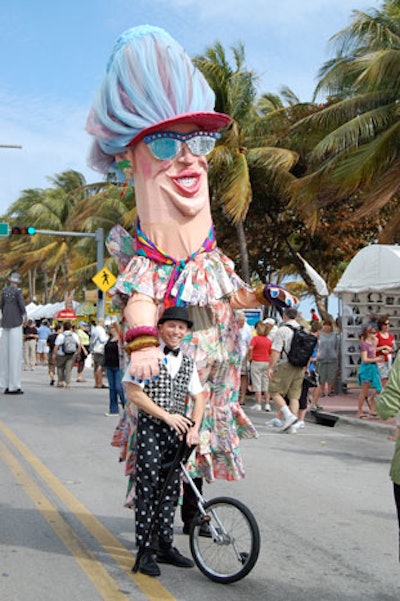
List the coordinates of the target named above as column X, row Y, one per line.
column 60, row 341
column 172, row 364
column 283, row 338
column 245, row 334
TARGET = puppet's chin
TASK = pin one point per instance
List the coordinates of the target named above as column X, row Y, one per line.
column 188, row 206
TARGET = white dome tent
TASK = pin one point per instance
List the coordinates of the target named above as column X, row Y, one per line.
column 369, row 286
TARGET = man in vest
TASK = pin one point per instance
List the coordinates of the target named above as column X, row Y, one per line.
column 162, row 422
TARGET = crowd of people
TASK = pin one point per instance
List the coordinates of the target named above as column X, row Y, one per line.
column 60, row 346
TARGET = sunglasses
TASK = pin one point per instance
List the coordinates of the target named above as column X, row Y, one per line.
column 165, row 145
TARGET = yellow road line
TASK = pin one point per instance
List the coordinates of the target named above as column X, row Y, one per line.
column 150, row 587
column 106, row 586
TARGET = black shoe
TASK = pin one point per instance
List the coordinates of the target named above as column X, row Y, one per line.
column 6, row 391
column 174, row 558
column 18, row 391
column 52, row 382
column 148, row 566
column 204, row 530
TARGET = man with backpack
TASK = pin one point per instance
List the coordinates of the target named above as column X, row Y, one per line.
column 291, row 349
column 67, row 346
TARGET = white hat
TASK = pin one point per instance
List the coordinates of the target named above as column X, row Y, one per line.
column 270, row 321
column 15, row 277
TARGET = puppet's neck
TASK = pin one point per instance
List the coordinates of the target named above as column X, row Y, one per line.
column 178, row 239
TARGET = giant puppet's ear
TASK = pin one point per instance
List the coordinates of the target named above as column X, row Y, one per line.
column 124, row 163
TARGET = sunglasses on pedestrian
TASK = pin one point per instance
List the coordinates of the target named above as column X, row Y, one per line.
column 165, row 145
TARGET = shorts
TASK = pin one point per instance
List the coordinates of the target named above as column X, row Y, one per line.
column 259, row 376
column 287, row 380
column 384, row 369
column 244, row 368
column 98, row 360
column 327, row 372
column 41, row 346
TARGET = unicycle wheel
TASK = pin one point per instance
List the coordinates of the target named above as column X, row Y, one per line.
column 231, row 551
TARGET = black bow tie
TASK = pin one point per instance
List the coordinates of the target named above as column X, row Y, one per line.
column 174, row 351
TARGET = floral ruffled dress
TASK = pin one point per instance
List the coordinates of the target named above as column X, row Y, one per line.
column 204, row 284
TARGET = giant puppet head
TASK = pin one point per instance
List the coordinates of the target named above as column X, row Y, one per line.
column 154, row 115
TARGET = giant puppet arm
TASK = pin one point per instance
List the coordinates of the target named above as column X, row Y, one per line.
column 141, row 310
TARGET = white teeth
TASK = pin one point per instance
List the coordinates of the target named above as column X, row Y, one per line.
column 187, row 181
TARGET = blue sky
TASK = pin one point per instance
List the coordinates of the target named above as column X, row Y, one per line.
column 53, row 57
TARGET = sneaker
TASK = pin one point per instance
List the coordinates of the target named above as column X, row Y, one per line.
column 110, row 414
column 173, row 557
column 289, row 421
column 293, row 429
column 267, row 407
column 274, row 423
column 148, row 565
column 300, row 424
column 256, row 407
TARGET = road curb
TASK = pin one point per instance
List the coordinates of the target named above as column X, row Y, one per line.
column 358, row 423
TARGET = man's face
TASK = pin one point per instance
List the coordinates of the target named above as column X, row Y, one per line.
column 179, row 183
column 172, row 332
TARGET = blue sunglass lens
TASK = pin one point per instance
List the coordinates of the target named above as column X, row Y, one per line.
column 165, row 148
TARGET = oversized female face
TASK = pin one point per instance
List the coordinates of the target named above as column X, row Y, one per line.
column 170, row 187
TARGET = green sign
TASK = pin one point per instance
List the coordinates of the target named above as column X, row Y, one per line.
column 4, row 229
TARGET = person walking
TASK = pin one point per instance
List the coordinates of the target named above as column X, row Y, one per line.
column 388, row 406
column 162, row 420
column 66, row 347
column 245, row 335
column 285, row 380
column 42, row 348
column 113, row 371
column 13, row 315
column 385, row 347
column 98, row 338
column 52, row 361
column 30, row 340
column 327, row 360
column 85, row 350
column 259, row 355
column 368, row 373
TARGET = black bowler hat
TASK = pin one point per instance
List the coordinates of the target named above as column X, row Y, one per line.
column 177, row 313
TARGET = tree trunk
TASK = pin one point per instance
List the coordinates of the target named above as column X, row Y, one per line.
column 244, row 255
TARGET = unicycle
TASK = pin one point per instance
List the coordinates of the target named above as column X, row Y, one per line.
column 224, row 537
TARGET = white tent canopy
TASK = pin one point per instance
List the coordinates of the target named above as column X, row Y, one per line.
column 375, row 267
column 48, row 311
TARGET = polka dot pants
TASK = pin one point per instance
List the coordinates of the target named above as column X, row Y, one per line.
column 157, row 445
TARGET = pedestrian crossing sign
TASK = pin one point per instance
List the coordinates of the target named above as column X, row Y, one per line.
column 104, row 279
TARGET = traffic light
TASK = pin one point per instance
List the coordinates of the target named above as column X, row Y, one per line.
column 27, row 231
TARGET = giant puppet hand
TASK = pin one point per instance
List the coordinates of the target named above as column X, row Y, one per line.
column 273, row 294
column 144, row 364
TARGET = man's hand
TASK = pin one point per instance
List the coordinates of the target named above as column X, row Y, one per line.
column 179, row 422
column 144, row 364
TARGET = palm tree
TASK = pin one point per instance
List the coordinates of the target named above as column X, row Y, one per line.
column 243, row 145
column 357, row 155
column 55, row 263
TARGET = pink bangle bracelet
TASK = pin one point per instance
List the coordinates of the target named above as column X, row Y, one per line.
column 133, row 333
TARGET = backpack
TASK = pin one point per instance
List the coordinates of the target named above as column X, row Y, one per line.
column 302, row 346
column 70, row 345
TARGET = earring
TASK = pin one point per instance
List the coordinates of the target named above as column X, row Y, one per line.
column 124, row 167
